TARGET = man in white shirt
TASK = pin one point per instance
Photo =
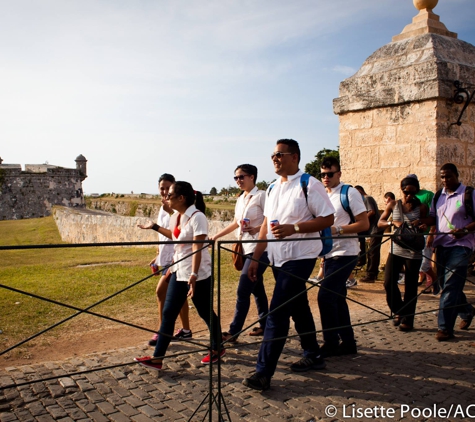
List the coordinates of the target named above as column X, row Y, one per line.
column 290, row 215
column 339, row 263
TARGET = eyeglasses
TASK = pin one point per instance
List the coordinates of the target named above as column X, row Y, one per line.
column 408, row 192
column 240, row 177
column 279, row 154
column 329, row 174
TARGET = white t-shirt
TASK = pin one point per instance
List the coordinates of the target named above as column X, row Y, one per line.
column 349, row 247
column 165, row 257
column 286, row 203
column 251, row 207
column 193, row 223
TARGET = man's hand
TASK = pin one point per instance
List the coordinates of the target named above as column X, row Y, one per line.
column 282, row 231
column 251, row 230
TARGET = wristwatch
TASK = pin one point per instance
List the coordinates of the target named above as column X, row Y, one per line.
column 296, row 228
column 340, row 230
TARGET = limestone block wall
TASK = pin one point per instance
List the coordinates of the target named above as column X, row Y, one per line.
column 91, row 226
column 380, row 146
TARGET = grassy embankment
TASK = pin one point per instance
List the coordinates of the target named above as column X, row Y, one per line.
column 79, row 277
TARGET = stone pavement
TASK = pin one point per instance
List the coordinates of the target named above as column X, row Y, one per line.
column 393, row 372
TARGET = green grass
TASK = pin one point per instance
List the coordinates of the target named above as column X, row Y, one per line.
column 79, row 277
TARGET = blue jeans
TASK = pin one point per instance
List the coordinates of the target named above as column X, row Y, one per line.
column 293, row 293
column 176, row 296
column 246, row 287
column 334, row 312
column 403, row 307
column 452, row 264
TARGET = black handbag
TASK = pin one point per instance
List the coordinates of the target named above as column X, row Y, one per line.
column 407, row 236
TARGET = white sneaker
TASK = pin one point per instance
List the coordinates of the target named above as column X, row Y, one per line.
column 351, row 282
column 401, row 278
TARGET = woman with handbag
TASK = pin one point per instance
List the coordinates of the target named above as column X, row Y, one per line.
column 190, row 276
column 248, row 217
column 406, row 251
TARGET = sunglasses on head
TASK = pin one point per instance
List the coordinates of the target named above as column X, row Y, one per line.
column 329, row 174
column 240, row 177
column 280, row 154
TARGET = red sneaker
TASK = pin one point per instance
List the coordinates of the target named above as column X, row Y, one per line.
column 147, row 361
column 212, row 358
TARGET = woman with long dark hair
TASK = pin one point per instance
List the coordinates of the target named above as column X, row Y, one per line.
column 191, row 273
column 407, row 209
column 248, row 217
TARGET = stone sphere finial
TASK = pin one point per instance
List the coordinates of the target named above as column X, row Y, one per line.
column 425, row 4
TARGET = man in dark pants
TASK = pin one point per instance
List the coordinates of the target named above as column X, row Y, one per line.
column 374, row 249
column 453, row 250
column 339, row 263
column 290, row 215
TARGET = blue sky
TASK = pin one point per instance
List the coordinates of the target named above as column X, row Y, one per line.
column 192, row 88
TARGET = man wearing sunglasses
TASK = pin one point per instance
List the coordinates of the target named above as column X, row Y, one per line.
column 339, row 263
column 288, row 214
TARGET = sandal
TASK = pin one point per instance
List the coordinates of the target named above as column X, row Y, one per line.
column 257, row 331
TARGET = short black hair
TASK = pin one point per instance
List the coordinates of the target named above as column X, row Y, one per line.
column 330, row 161
column 293, row 146
column 248, row 169
column 167, row 177
column 390, row 195
column 451, row 167
column 410, row 181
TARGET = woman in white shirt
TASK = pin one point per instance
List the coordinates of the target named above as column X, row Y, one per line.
column 250, row 205
column 164, row 259
column 191, row 273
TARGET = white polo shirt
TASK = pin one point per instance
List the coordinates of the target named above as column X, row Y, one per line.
column 251, row 207
column 165, row 257
column 349, row 247
column 193, row 223
column 286, row 203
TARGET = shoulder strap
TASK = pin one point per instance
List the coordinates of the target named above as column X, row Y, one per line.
column 468, row 202
column 345, row 201
column 270, row 188
column 436, row 197
column 304, row 184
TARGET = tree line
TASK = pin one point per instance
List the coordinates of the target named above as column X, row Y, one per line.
column 312, row 168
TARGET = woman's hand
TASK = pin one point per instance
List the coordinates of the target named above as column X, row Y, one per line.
column 252, row 271
column 191, row 283
column 147, row 226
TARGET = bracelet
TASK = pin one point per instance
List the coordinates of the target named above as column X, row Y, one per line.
column 155, row 227
column 194, row 274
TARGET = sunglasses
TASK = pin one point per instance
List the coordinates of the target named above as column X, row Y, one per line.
column 408, row 192
column 329, row 174
column 279, row 154
column 240, row 177
column 169, row 196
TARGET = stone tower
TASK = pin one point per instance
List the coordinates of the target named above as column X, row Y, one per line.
column 81, row 166
column 397, row 112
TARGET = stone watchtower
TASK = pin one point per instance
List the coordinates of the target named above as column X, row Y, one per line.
column 397, row 112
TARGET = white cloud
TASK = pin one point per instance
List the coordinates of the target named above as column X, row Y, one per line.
column 344, row 70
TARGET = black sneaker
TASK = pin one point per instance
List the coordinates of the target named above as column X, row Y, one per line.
column 182, row 334
column 327, row 350
column 306, row 364
column 347, row 349
column 257, row 382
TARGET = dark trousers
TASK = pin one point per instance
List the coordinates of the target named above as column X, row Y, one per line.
column 403, row 307
column 334, row 312
column 291, row 293
column 176, row 296
column 246, row 287
column 452, row 264
column 374, row 256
